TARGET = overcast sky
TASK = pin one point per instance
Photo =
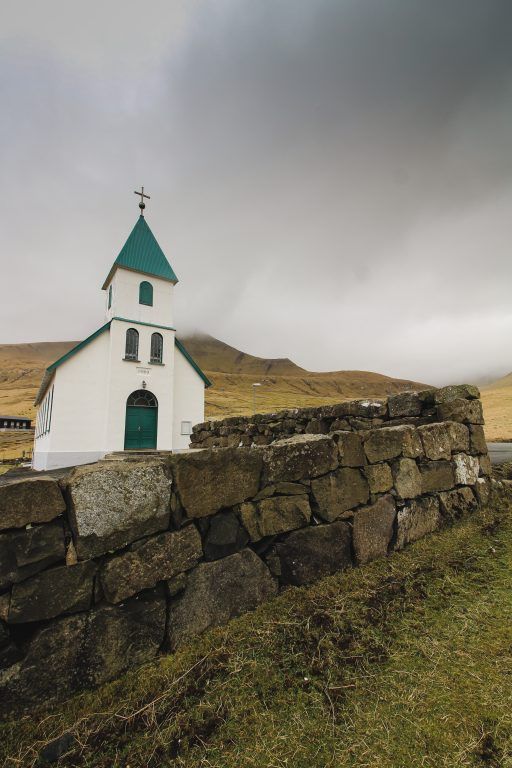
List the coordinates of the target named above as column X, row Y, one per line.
column 331, row 180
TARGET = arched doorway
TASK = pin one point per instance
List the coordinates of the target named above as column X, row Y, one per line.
column 141, row 421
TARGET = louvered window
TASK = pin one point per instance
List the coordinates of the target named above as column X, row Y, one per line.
column 146, row 293
column 157, row 348
column 132, row 344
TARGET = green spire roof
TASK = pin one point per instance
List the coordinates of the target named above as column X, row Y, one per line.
column 141, row 253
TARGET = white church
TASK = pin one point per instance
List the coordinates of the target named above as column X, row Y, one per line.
column 131, row 385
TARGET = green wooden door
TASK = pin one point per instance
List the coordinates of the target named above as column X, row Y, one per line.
column 140, row 430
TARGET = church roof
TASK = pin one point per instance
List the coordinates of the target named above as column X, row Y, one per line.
column 141, row 253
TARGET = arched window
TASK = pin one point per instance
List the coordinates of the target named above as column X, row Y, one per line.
column 142, row 398
column 157, row 347
column 132, row 345
column 110, row 297
column 146, row 293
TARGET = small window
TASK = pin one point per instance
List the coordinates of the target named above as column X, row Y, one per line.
column 146, row 293
column 132, row 345
column 110, row 297
column 186, row 427
column 157, row 347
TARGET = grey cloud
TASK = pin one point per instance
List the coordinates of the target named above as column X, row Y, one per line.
column 332, row 181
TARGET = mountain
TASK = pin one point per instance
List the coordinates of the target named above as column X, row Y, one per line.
column 215, row 355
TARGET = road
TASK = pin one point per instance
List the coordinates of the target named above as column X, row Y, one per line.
column 500, row 452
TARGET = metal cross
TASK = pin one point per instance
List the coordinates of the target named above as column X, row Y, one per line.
column 142, row 204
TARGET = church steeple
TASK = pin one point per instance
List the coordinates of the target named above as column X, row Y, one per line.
column 141, row 253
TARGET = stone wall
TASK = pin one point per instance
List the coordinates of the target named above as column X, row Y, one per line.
column 122, row 560
column 419, row 407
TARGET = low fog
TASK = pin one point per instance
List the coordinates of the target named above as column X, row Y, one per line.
column 331, row 180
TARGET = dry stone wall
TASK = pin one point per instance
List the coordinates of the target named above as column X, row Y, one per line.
column 421, row 407
column 122, row 560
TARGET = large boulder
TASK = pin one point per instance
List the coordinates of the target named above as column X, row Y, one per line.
column 477, row 439
column 120, row 637
column 436, row 476
column 407, row 478
column 275, row 515
column 211, row 480
column 299, row 457
column 390, row 442
column 416, row 519
column 435, row 439
column 360, row 408
column 218, row 591
column 404, row 404
column 34, row 500
column 350, row 449
column 368, row 409
column 373, row 529
column 380, row 477
column 339, row 492
column 53, row 593
column 75, row 652
column 456, row 392
column 312, row 553
column 457, row 503
column 113, row 503
column 47, row 670
column 458, row 435
column 464, row 411
column 224, row 536
column 25, row 552
column 157, row 559
column 466, row 469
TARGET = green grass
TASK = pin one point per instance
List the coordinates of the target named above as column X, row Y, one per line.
column 401, row 664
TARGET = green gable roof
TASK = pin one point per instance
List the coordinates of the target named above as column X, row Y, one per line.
column 141, row 253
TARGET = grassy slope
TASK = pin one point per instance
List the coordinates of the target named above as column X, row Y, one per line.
column 497, row 400
column 404, row 663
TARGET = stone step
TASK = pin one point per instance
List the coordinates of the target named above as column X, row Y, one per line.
column 135, row 455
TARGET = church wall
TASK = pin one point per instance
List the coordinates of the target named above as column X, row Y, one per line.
column 120, row 561
column 128, row 376
column 125, row 299
column 77, row 433
column 188, row 396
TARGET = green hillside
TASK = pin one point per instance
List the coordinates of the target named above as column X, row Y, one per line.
column 405, row 663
